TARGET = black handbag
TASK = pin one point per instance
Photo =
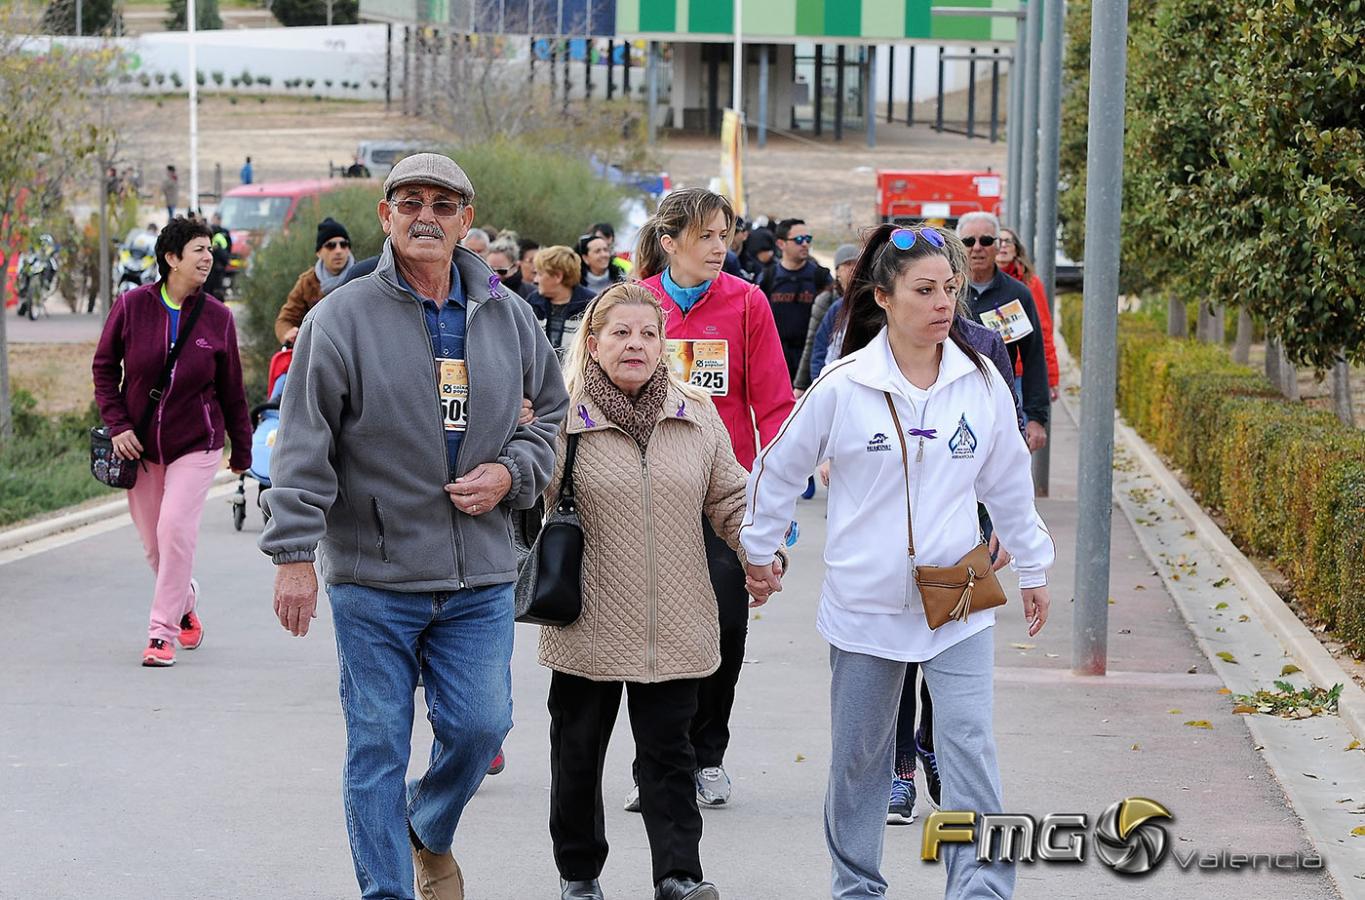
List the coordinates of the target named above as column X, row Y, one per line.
column 107, row 468
column 549, row 588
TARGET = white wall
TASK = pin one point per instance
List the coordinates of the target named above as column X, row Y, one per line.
column 353, row 53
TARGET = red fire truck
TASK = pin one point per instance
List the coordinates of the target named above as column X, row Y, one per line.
column 936, row 198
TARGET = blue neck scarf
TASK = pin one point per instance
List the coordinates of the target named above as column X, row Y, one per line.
column 686, row 298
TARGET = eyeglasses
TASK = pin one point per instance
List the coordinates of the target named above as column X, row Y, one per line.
column 443, row 209
column 1005, row 239
column 802, row 239
column 504, row 272
column 904, row 238
column 336, row 245
column 985, row 240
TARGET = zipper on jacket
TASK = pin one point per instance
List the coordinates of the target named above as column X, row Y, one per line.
column 379, row 523
column 458, row 541
column 651, row 577
column 161, row 404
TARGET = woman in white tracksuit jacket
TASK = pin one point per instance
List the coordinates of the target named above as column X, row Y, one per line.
column 963, row 446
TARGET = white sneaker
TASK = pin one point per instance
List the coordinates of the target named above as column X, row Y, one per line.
column 632, row 803
column 713, row 786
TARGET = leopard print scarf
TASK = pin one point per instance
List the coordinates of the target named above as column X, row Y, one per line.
column 635, row 416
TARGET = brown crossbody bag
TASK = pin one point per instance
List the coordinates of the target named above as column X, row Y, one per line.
column 949, row 592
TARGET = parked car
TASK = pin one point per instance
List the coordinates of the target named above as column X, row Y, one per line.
column 375, row 159
column 253, row 212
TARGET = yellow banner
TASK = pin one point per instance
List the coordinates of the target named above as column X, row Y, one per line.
column 732, row 160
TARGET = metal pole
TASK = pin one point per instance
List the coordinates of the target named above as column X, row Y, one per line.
column 890, row 83
column 1028, row 174
column 1045, row 241
column 105, row 262
column 587, row 70
column 763, row 96
column 194, row 108
column 870, row 90
column 737, row 88
column 995, row 96
column 611, row 69
column 652, row 79
column 910, row 96
column 819, row 88
column 971, row 94
column 839, row 93
column 1014, row 126
column 78, row 25
column 388, row 68
column 938, row 116
column 625, row 68
column 1103, row 202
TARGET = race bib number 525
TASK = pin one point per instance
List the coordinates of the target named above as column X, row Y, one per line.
column 703, row 363
column 452, row 388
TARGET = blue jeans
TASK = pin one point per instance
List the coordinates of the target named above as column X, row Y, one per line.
column 461, row 642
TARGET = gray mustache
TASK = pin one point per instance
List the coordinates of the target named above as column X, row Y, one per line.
column 422, row 229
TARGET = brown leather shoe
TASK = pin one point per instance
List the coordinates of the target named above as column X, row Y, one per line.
column 438, row 875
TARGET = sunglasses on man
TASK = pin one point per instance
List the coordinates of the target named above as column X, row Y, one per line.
column 442, row 209
column 985, row 240
column 802, row 239
column 336, row 245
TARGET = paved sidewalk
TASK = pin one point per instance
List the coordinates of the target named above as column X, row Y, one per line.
column 219, row 778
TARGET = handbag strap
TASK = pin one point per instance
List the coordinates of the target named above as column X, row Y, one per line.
column 164, row 379
column 905, row 461
column 566, row 492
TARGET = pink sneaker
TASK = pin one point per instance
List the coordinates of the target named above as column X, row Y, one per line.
column 191, row 629
column 158, row 653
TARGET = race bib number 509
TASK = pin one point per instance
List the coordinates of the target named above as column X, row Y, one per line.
column 452, row 387
column 705, row 364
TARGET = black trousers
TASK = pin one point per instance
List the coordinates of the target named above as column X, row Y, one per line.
column 582, row 714
column 905, row 721
column 711, row 727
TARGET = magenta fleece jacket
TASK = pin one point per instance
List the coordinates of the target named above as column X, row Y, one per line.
column 204, row 403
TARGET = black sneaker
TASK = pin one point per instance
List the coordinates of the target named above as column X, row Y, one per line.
column 925, row 751
column 901, row 809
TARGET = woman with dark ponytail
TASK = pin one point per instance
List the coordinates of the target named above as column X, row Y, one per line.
column 917, row 428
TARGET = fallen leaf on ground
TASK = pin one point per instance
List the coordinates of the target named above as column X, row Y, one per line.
column 1225, row 656
column 1290, row 669
column 1222, row 582
column 1354, row 745
column 1242, row 709
column 1244, row 618
column 1140, row 587
column 800, row 757
column 1200, row 723
column 1220, row 605
column 1018, row 646
column 1358, row 831
column 1176, row 712
column 1135, row 747
column 1224, row 691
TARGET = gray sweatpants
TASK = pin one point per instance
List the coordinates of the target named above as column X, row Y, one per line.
column 864, row 696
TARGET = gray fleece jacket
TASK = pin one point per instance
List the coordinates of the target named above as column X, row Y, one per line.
column 359, row 466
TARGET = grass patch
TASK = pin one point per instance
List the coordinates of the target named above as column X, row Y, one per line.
column 46, row 465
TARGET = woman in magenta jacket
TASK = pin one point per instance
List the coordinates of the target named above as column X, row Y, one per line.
column 722, row 338
column 201, row 408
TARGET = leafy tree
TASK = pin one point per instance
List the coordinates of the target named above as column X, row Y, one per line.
column 97, row 17
column 314, row 12
column 206, row 16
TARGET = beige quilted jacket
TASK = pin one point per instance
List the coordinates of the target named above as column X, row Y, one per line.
column 649, row 613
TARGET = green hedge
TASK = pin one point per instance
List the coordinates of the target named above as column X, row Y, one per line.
column 1289, row 480
column 45, row 466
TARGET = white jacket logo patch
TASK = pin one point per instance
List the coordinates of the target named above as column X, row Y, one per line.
column 963, row 441
column 878, row 444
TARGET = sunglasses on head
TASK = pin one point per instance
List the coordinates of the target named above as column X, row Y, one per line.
column 336, row 245
column 985, row 240
column 802, row 239
column 904, row 238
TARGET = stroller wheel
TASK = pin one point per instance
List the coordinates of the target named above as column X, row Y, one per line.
column 238, row 515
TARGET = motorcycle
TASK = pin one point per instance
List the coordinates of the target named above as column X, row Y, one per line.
column 37, row 275
column 136, row 261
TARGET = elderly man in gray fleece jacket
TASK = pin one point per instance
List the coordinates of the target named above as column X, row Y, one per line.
column 401, row 456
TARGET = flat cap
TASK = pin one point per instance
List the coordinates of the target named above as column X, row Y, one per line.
column 429, row 168
column 845, row 253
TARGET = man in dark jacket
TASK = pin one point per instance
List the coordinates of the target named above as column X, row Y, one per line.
column 1006, row 306
column 791, row 284
column 403, row 459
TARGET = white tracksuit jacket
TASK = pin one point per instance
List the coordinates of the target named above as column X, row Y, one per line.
column 964, row 445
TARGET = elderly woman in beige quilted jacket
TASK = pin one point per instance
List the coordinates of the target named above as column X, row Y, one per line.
column 653, row 457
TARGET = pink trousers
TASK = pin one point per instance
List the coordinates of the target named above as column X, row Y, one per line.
column 166, row 504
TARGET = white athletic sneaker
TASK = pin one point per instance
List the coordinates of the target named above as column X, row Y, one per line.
column 713, row 786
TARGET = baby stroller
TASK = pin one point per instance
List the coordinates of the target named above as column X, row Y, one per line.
column 265, row 423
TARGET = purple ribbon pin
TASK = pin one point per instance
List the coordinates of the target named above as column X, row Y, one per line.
column 494, row 282
column 682, row 409
column 587, row 419
column 929, row 433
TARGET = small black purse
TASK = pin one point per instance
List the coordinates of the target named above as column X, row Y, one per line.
column 549, row 588
column 107, row 468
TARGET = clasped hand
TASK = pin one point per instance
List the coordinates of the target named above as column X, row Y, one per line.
column 763, row 581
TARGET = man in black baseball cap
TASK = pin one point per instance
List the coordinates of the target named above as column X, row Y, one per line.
column 334, row 264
